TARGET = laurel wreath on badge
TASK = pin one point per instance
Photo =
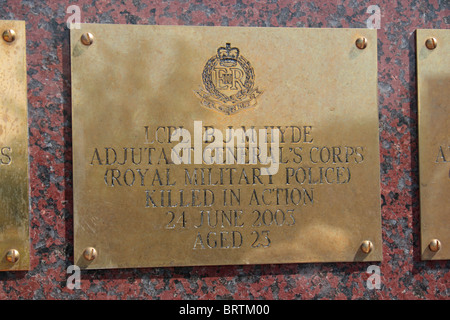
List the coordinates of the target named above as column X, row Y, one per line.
column 227, row 58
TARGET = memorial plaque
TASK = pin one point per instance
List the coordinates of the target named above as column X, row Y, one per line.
column 224, row 145
column 14, row 214
column 433, row 83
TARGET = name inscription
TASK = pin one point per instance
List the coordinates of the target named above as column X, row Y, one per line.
column 192, row 194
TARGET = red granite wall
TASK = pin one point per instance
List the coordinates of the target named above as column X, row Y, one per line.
column 403, row 274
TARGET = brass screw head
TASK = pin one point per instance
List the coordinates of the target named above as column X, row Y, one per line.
column 90, row 253
column 431, row 43
column 12, row 256
column 366, row 246
column 9, row 35
column 361, row 43
column 435, row 245
column 87, row 38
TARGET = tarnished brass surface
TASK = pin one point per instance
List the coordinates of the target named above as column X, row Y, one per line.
column 433, row 84
column 14, row 214
column 144, row 211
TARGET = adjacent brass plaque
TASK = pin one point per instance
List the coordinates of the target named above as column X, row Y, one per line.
column 14, row 214
column 157, row 181
column 433, row 83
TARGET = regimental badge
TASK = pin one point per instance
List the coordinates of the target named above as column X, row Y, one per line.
column 228, row 79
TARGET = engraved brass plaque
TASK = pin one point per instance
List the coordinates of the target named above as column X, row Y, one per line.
column 158, row 180
column 433, row 83
column 14, row 213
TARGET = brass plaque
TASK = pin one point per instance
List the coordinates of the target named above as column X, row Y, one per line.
column 158, row 180
column 14, row 214
column 433, row 83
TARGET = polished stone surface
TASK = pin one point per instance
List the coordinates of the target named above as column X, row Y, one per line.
column 403, row 274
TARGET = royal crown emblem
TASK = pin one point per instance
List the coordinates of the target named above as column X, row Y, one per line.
column 228, row 80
